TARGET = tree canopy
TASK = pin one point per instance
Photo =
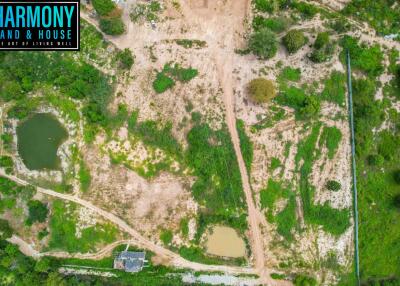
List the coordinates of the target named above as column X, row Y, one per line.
column 263, row 43
column 261, row 90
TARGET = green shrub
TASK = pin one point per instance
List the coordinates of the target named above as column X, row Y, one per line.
column 375, row 160
column 323, row 54
column 276, row 24
column 335, row 88
column 322, row 40
column 294, row 40
column 7, row 163
column 165, row 78
column 112, row 26
column 126, row 58
column 261, row 90
column 263, row 43
column 340, row 25
column 162, row 83
column 166, row 236
column 103, row 7
column 333, row 186
column 302, row 280
column 37, row 212
column 264, row 5
column 305, row 9
column 275, row 163
column 291, row 74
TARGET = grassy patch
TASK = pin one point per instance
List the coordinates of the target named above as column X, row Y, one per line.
column 335, row 88
column 84, row 177
column 332, row 220
column 63, row 231
column 331, row 138
column 246, row 145
column 286, row 218
column 197, row 254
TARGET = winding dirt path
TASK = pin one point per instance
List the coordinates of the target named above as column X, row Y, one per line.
column 167, row 255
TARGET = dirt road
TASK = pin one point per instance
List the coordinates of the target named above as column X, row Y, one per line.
column 168, row 256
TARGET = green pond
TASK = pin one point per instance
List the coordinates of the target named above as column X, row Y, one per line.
column 39, row 138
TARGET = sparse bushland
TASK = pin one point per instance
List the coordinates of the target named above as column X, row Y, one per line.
column 382, row 15
column 189, row 44
column 146, row 12
column 332, row 220
column 263, row 43
column 366, row 59
column 63, row 223
column 261, row 90
column 294, row 40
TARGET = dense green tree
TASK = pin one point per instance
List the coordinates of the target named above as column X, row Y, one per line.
column 112, row 26
column 103, row 7
column 396, row 176
column 263, row 43
column 261, row 90
column 5, row 229
column 294, row 40
column 37, row 212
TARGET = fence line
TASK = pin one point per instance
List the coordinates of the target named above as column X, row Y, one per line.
column 353, row 156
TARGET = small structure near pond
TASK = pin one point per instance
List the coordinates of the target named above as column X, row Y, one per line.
column 130, row 261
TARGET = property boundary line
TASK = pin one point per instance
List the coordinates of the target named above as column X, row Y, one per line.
column 353, row 163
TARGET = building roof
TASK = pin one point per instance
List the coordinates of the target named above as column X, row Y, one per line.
column 133, row 265
column 131, row 261
column 131, row 255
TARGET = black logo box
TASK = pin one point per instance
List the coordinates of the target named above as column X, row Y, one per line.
column 36, row 44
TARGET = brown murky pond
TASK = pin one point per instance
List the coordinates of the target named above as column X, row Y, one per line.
column 225, row 241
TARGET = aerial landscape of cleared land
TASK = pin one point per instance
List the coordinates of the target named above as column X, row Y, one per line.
column 206, row 142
